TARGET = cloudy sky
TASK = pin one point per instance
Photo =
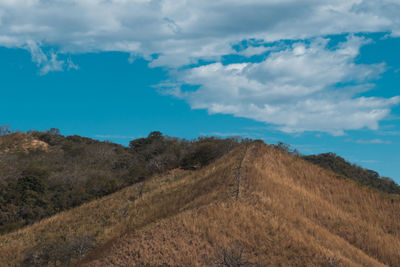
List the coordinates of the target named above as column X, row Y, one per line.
column 319, row 75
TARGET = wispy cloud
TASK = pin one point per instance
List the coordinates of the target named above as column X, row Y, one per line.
column 114, row 136
column 48, row 62
column 370, row 141
column 232, row 134
column 374, row 141
column 369, row 161
column 386, row 132
column 71, row 65
column 255, row 50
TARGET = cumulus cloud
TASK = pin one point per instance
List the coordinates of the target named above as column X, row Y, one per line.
column 181, row 32
column 295, row 88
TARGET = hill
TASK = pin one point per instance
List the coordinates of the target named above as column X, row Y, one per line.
column 256, row 204
column 333, row 162
column 43, row 173
column 21, row 143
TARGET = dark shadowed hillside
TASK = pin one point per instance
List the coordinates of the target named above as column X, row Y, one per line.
column 43, row 173
column 338, row 165
column 255, row 206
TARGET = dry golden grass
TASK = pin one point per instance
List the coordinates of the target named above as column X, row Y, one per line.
column 365, row 219
column 125, row 211
column 289, row 213
column 20, row 142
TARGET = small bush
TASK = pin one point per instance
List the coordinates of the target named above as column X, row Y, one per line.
column 59, row 252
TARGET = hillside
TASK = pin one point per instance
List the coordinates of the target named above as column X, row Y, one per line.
column 367, row 177
column 22, row 143
column 256, row 204
column 43, row 173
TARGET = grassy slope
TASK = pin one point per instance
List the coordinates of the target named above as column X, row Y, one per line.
column 21, row 142
column 356, row 173
column 289, row 212
column 126, row 210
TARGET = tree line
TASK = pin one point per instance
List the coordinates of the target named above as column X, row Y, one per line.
column 36, row 184
column 340, row 166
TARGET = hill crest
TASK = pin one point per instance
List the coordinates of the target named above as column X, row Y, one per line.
column 21, row 143
column 288, row 211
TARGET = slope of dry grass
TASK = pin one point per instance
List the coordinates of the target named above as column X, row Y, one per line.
column 125, row 211
column 20, row 142
column 288, row 213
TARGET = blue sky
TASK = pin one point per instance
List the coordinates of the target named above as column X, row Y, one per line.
column 275, row 70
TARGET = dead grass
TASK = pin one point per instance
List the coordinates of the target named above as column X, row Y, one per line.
column 125, row 211
column 289, row 213
column 20, row 142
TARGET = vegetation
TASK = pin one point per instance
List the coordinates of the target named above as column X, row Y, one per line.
column 43, row 173
column 165, row 201
column 59, row 252
column 231, row 258
column 289, row 213
column 5, row 129
column 112, row 216
column 338, row 165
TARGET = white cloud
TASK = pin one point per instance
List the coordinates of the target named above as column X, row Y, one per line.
column 184, row 31
column 294, row 88
column 48, row 62
column 114, row 136
column 51, row 64
column 374, row 141
column 71, row 65
column 255, row 50
column 369, row 161
column 378, row 141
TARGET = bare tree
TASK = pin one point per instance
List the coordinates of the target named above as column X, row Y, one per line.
column 59, row 252
column 5, row 129
column 332, row 261
column 53, row 131
column 231, row 258
column 81, row 245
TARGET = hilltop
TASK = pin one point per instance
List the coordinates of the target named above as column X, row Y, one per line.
column 43, row 173
column 255, row 204
column 337, row 164
column 21, row 143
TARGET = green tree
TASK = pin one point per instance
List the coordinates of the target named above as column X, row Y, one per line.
column 33, row 179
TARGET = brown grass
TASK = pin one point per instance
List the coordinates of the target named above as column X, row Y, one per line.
column 20, row 142
column 124, row 211
column 289, row 213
